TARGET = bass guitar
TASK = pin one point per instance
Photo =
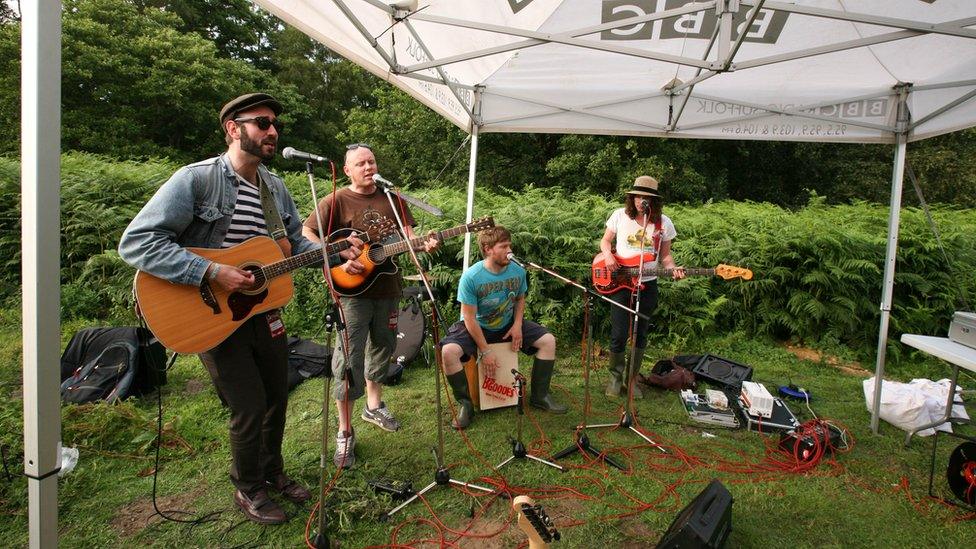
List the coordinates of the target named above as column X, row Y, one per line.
column 190, row 319
column 378, row 260
column 532, row 519
column 627, row 277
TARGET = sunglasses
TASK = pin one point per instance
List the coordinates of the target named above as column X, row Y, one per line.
column 263, row 123
column 355, row 146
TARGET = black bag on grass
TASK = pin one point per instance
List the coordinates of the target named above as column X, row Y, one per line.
column 111, row 364
column 306, row 359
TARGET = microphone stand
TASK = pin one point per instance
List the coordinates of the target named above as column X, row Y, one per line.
column 442, row 475
column 518, row 447
column 628, row 417
column 582, row 442
column 334, row 323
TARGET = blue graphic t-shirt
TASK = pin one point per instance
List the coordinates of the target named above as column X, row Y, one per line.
column 493, row 294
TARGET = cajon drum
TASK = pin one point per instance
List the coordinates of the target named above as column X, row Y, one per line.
column 496, row 386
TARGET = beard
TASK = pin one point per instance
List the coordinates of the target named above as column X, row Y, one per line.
column 256, row 148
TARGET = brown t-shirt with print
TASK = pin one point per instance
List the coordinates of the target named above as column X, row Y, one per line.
column 358, row 211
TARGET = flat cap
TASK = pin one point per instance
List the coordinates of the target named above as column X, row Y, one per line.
column 247, row 101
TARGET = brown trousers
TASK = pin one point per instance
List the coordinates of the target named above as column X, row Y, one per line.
column 250, row 372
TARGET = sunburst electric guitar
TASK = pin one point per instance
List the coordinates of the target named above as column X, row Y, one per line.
column 378, row 260
column 532, row 519
column 189, row 319
column 627, row 276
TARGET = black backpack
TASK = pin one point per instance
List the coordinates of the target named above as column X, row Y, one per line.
column 111, row 364
column 307, row 359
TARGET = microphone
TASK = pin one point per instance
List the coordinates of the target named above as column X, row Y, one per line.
column 511, row 257
column 382, row 182
column 645, row 204
column 291, row 154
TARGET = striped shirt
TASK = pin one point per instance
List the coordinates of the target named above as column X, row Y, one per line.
column 248, row 220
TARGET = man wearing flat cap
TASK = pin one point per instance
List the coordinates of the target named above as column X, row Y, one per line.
column 639, row 228
column 217, row 203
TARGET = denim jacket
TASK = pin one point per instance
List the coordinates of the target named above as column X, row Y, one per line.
column 194, row 208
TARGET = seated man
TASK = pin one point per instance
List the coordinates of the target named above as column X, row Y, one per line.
column 492, row 297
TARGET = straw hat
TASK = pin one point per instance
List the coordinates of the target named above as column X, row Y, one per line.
column 645, row 185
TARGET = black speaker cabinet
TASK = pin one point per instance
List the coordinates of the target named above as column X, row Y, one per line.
column 722, row 372
column 705, row 523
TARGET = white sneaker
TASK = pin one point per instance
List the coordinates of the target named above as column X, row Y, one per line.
column 345, row 455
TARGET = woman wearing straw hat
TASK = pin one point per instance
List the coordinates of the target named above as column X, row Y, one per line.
column 637, row 228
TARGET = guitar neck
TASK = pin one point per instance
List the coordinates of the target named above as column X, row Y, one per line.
column 303, row 259
column 661, row 271
column 403, row 245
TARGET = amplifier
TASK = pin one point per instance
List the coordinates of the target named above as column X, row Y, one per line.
column 758, row 400
column 963, row 328
column 781, row 420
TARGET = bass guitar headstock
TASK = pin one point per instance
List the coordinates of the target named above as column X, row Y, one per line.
column 728, row 272
column 532, row 520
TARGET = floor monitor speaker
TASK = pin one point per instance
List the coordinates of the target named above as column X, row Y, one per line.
column 705, row 522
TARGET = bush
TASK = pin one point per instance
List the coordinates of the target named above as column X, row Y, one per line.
column 817, row 270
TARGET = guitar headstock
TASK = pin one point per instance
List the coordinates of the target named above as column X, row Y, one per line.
column 729, row 272
column 378, row 230
column 532, row 520
column 485, row 222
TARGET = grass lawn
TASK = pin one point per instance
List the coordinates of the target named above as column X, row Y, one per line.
column 874, row 496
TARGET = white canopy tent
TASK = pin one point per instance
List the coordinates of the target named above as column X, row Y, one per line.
column 859, row 71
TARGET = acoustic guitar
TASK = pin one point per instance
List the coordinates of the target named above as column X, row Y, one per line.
column 192, row 319
column 378, row 260
column 532, row 519
column 627, row 277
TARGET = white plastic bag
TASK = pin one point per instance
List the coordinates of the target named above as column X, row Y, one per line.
column 908, row 406
column 69, row 458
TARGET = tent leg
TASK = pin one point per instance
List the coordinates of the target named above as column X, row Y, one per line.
column 469, row 215
column 894, row 218
column 40, row 267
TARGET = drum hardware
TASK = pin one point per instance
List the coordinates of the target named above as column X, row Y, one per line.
column 411, row 333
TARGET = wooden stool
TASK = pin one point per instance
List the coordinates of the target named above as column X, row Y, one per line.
column 471, row 372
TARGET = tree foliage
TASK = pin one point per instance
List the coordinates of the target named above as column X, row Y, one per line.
column 145, row 78
column 817, row 268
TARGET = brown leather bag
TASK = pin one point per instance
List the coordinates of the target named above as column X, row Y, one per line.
column 670, row 374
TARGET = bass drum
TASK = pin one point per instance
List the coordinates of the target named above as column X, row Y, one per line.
column 411, row 331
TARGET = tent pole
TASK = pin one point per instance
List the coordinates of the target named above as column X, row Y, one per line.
column 469, row 215
column 472, row 169
column 40, row 267
column 894, row 218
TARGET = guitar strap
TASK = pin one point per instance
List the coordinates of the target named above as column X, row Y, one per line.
column 272, row 219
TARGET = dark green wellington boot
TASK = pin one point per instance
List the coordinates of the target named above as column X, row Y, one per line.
column 616, row 369
column 540, row 397
column 465, row 410
column 638, row 394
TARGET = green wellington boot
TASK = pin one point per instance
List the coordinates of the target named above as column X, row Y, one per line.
column 465, row 411
column 616, row 368
column 638, row 394
column 539, row 387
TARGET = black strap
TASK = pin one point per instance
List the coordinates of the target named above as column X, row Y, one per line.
column 45, row 475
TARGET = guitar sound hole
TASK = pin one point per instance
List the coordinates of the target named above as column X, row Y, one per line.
column 376, row 255
column 260, row 282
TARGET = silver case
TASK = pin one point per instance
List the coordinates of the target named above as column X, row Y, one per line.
column 963, row 329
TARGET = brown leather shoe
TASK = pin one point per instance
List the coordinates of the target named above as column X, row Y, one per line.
column 289, row 489
column 259, row 507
